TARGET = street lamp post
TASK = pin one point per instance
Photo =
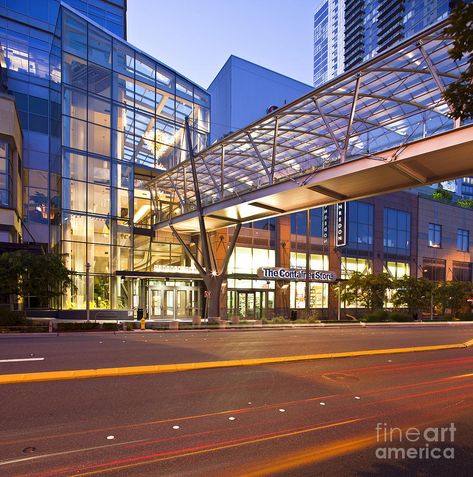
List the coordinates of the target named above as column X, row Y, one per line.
column 87, row 290
column 431, row 304
column 339, row 308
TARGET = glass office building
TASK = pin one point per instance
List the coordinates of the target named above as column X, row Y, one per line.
column 26, row 32
column 118, row 118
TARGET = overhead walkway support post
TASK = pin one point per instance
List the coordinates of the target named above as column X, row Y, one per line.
column 212, row 276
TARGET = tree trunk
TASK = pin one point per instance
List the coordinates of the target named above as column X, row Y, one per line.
column 214, row 285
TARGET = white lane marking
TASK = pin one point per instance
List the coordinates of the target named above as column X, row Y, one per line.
column 322, row 403
column 176, row 427
column 110, row 438
column 19, row 360
column 74, row 451
column 282, row 410
column 231, row 418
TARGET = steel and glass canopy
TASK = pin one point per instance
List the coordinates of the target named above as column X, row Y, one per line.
column 324, row 147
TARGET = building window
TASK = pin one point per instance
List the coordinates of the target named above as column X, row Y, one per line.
column 5, row 175
column 299, row 222
column 435, row 235
column 351, row 264
column 397, row 232
column 360, row 226
column 463, row 240
column 434, row 269
column 461, row 271
column 397, row 269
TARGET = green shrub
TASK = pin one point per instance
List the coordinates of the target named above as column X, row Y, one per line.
column 466, row 203
column 400, row 317
column 280, row 320
column 443, row 195
column 468, row 316
column 376, row 317
column 12, row 318
column 109, row 326
column 78, row 326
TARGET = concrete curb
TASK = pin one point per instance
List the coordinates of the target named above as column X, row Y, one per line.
column 176, row 368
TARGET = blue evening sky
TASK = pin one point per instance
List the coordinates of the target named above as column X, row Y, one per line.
column 195, row 37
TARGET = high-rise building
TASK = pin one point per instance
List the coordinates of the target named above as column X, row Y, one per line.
column 349, row 32
column 329, row 27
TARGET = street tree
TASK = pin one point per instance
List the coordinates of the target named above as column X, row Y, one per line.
column 453, row 296
column 412, row 293
column 24, row 274
column 369, row 291
column 460, row 93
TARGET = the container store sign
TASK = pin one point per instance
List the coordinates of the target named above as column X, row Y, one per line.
column 295, row 274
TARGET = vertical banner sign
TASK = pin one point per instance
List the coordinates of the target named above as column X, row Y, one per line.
column 341, row 225
column 325, row 210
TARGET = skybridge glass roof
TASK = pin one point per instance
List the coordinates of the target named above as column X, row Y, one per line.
column 385, row 103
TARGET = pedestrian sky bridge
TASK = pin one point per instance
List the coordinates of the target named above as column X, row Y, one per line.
column 379, row 128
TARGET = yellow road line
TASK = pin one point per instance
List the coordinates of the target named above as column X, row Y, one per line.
column 176, row 368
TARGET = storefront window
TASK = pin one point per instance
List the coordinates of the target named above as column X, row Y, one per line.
column 350, row 265
column 397, row 269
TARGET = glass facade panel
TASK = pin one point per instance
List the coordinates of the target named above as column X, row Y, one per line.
column 100, row 47
column 74, row 103
column 75, row 133
column 99, row 80
column 99, row 139
column 99, row 111
column 74, row 35
column 74, row 166
column 98, row 199
column 74, row 71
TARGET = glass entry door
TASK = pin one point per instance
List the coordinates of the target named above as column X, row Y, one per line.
column 252, row 304
column 173, row 302
column 246, row 304
column 161, row 303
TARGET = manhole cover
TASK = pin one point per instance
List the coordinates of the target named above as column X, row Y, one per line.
column 27, row 450
column 341, row 377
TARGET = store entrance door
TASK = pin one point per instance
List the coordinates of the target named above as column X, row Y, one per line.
column 252, row 304
column 173, row 302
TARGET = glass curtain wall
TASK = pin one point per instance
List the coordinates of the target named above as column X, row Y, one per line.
column 122, row 120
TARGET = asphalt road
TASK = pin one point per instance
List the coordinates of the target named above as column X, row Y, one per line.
column 95, row 350
column 303, row 419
